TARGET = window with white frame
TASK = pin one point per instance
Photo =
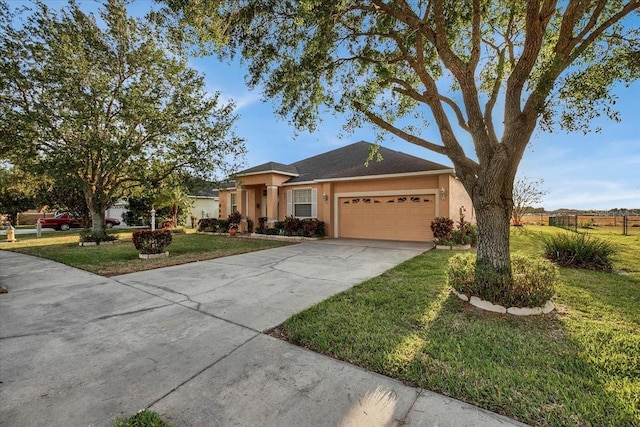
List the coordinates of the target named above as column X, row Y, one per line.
column 234, row 202
column 302, row 203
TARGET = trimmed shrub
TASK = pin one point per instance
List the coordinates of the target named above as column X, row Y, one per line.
column 90, row 236
column 531, row 283
column 460, row 237
column 262, row 225
column 311, row 227
column 580, row 251
column 308, row 227
column 223, row 226
column 291, row 225
column 210, row 225
column 272, row 231
column 151, row 242
column 233, row 221
column 442, row 228
column 279, row 225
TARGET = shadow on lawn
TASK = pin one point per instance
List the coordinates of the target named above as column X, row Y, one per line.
column 531, row 369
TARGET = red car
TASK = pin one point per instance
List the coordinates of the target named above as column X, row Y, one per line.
column 64, row 221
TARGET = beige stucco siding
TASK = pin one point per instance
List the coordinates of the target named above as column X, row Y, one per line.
column 393, row 207
column 459, row 200
column 386, row 184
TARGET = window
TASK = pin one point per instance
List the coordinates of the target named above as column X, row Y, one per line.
column 234, row 202
column 302, row 203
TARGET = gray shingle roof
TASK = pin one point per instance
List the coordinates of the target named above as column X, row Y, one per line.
column 348, row 162
column 270, row 166
column 205, row 192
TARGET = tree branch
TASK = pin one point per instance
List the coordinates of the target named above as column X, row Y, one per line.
column 379, row 121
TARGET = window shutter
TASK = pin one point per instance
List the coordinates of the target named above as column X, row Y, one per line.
column 314, row 203
column 289, row 203
column 228, row 204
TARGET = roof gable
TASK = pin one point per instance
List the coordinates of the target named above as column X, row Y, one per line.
column 270, row 167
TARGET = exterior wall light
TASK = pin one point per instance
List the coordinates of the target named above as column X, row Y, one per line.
column 325, row 197
column 443, row 193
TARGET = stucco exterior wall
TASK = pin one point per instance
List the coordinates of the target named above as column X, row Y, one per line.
column 459, row 201
column 445, row 192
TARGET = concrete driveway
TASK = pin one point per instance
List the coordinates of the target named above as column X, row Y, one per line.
column 79, row 349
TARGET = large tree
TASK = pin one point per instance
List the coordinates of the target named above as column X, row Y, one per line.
column 18, row 192
column 483, row 71
column 104, row 103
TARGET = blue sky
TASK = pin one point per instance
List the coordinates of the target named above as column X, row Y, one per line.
column 594, row 171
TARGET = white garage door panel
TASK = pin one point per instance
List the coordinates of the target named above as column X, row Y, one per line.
column 388, row 217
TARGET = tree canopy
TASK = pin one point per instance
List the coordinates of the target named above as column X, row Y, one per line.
column 104, row 103
column 490, row 72
column 18, row 192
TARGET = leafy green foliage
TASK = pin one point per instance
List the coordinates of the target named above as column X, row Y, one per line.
column 445, row 234
column 579, row 250
column 120, row 113
column 92, row 236
column 531, row 285
column 146, row 418
column 18, row 193
column 151, row 242
column 212, row 225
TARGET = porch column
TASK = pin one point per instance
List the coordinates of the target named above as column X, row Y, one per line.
column 325, row 209
column 242, row 207
column 272, row 204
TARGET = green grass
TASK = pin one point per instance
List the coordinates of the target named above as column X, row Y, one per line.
column 578, row 366
column 122, row 257
column 144, row 418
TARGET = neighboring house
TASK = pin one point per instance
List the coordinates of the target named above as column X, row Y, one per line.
column 204, row 204
column 116, row 211
column 394, row 199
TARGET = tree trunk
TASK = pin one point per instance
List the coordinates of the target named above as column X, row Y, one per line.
column 97, row 206
column 97, row 221
column 493, row 236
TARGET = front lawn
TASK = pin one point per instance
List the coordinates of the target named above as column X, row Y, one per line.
column 578, row 366
column 122, row 257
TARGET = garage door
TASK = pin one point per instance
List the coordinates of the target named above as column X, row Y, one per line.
column 404, row 217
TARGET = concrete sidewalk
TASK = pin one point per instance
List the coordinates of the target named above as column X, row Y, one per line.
column 187, row 341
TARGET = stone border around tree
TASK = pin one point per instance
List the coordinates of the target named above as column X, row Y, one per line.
column 453, row 247
column 106, row 242
column 153, row 256
column 496, row 308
